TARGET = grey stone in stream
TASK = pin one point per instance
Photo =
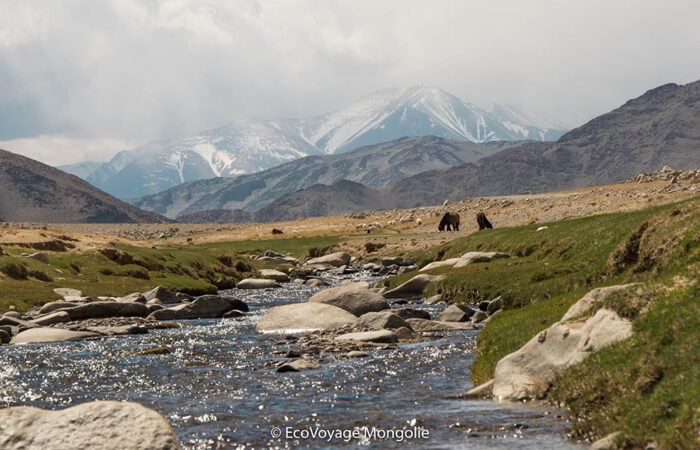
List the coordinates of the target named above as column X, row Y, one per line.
column 49, row 335
column 437, row 325
column 381, row 320
column 204, row 307
column 404, row 333
column 304, row 316
column 352, row 297
column 334, row 259
column 356, row 354
column 100, row 425
column 413, row 287
column 155, row 307
column 479, row 316
column 380, row 336
column 5, row 337
column 256, row 283
column 232, row 314
column 135, row 298
column 434, row 300
column 298, row 365
column 411, row 313
column 275, row 275
column 371, row 266
column 107, row 309
column 315, row 282
column 22, row 324
column 68, row 292
column 51, row 318
column 53, row 306
column 456, row 313
column 119, row 330
column 495, row 305
column 162, row 294
column 606, row 443
column 481, row 391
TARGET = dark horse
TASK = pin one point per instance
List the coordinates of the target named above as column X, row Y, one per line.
column 449, row 219
column 483, row 221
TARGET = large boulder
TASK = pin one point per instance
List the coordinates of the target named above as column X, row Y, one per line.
column 334, row 259
column 53, row 306
column 279, row 260
column 379, row 336
column 527, row 372
column 162, row 294
column 48, row 336
column 413, row 287
column 51, row 318
column 353, row 297
column 437, row 264
column 381, row 320
column 303, row 317
column 100, row 425
column 437, row 325
column 456, row 313
column 596, row 295
column 274, row 275
column 255, row 283
column 107, row 309
column 411, row 313
column 204, row 307
column 474, row 257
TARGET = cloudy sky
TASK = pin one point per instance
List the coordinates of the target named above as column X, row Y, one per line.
column 83, row 79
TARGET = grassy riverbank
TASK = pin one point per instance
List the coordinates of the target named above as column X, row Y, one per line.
column 551, row 269
column 122, row 269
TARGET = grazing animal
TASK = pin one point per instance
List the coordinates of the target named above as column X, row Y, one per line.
column 277, row 231
column 483, row 221
column 449, row 220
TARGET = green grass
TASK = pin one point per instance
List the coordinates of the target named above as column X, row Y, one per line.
column 194, row 269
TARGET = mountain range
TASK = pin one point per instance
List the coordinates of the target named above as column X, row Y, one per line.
column 661, row 127
column 249, row 146
column 34, row 192
column 374, row 165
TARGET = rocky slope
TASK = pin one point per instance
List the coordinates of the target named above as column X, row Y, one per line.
column 34, row 192
column 248, row 146
column 661, row 127
column 375, row 165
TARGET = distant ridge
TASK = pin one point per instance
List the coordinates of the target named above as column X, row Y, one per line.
column 34, row 192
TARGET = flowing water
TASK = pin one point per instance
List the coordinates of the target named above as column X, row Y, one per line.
column 219, row 387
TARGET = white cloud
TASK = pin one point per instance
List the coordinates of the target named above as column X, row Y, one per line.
column 136, row 70
column 60, row 150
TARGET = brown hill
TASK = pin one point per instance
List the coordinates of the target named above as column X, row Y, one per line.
column 34, row 192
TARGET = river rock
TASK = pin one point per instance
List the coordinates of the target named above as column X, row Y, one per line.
column 49, row 335
column 100, row 425
column 233, row 314
column 413, row 287
column 107, row 309
column 381, row 320
column 278, row 259
column 527, row 372
column 404, row 333
column 481, row 391
column 257, row 283
column 479, row 316
column 434, row 300
column 356, row 354
column 51, row 318
column 165, row 296
column 474, row 257
column 334, row 259
column 68, row 292
column 274, row 275
column 456, row 313
column 606, row 443
column 304, row 316
column 118, row 330
column 298, row 365
column 437, row 264
column 596, row 295
column 13, row 314
column 204, row 307
column 494, row 305
column 137, row 298
column 14, row 321
column 5, row 337
column 380, row 336
column 353, row 297
column 315, row 282
column 421, row 325
column 411, row 313
column 53, row 306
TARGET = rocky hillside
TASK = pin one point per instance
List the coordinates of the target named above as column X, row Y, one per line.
column 249, row 146
column 661, row 127
column 374, row 165
column 34, row 192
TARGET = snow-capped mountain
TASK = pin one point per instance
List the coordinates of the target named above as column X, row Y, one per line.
column 247, row 146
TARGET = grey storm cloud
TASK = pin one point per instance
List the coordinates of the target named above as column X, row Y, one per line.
column 82, row 79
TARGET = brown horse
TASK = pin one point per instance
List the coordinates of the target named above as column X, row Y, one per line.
column 483, row 221
column 449, row 219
